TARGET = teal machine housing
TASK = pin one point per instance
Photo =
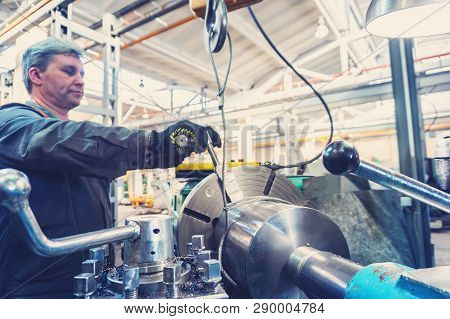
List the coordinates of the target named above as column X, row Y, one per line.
column 393, row 281
column 325, row 275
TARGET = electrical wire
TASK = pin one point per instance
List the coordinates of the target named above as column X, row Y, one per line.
column 274, row 166
column 221, row 95
column 434, row 118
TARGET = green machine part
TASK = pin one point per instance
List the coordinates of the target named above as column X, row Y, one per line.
column 186, row 190
column 297, row 180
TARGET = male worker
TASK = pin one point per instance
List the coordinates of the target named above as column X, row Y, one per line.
column 70, row 166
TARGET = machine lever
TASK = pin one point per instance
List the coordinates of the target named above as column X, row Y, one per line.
column 211, row 152
column 14, row 191
column 342, row 158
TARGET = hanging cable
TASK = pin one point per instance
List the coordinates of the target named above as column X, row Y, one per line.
column 221, row 95
column 274, row 166
column 210, row 22
column 221, row 87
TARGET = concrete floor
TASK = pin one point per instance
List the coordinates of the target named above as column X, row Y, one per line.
column 441, row 241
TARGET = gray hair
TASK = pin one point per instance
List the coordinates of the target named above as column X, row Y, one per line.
column 41, row 54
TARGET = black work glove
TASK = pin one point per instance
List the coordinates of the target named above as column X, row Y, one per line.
column 170, row 147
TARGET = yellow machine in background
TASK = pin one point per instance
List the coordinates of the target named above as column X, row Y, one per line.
column 142, row 200
column 201, row 170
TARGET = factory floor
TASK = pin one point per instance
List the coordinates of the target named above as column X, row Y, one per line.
column 441, row 240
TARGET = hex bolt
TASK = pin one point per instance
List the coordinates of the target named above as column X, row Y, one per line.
column 189, row 252
column 91, row 266
column 198, row 243
column 84, row 285
column 211, row 274
column 106, row 250
column 202, row 256
column 99, row 254
column 130, row 281
column 172, row 278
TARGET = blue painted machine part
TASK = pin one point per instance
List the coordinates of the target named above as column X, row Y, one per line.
column 390, row 281
column 322, row 274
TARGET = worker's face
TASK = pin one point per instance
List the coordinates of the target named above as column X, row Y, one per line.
column 62, row 84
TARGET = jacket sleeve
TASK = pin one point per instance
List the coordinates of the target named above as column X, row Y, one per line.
column 30, row 142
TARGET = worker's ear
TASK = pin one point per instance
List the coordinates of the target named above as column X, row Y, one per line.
column 35, row 75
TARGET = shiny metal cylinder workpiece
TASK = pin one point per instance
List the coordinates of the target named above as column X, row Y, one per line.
column 261, row 238
column 256, row 233
column 321, row 274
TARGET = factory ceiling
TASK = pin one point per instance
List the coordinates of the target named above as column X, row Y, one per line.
column 161, row 39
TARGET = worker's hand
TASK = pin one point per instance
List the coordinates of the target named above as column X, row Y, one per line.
column 170, row 147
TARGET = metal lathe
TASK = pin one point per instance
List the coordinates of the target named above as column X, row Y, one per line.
column 266, row 242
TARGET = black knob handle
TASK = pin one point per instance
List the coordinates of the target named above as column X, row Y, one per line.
column 341, row 158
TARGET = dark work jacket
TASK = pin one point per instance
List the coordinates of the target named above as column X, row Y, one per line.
column 70, row 166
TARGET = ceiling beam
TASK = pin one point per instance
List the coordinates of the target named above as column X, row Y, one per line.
column 273, row 80
column 171, row 6
column 276, row 77
column 252, row 34
column 121, row 12
column 169, row 53
column 30, row 18
column 360, row 19
column 129, row 112
column 337, row 97
column 302, row 60
column 332, row 24
column 141, row 67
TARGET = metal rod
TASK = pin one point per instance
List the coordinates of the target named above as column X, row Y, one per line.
column 152, row 16
column 320, row 274
column 23, row 16
column 404, row 184
column 341, row 158
column 18, row 13
column 43, row 246
column 212, row 153
column 14, row 191
column 159, row 31
column 151, row 34
column 121, row 12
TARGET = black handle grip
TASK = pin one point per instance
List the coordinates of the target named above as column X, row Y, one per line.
column 341, row 158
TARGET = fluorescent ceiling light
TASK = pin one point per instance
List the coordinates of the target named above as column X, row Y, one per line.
column 408, row 18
